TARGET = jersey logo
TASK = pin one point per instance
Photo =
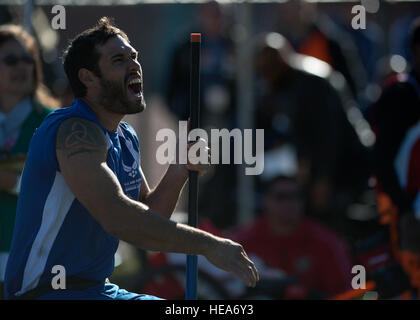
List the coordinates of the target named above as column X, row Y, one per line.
column 131, row 170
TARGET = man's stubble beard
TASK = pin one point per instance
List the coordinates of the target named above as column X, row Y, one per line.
column 113, row 98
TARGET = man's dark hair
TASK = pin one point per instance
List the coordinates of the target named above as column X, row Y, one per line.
column 82, row 52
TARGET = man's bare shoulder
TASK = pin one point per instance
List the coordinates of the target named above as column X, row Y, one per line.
column 77, row 136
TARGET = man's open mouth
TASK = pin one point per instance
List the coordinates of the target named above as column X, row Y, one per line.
column 135, row 87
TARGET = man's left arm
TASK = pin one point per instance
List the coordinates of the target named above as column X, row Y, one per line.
column 164, row 198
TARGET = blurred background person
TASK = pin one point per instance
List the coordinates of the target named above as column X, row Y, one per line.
column 216, row 70
column 24, row 103
column 285, row 238
column 313, row 33
column 396, row 110
column 399, row 30
column 370, row 44
column 217, row 101
column 297, row 104
column 395, row 117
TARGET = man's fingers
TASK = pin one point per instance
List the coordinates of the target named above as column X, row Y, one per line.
column 247, row 270
column 244, row 275
column 257, row 274
column 247, row 274
column 253, row 273
column 200, row 140
column 202, row 165
column 253, row 267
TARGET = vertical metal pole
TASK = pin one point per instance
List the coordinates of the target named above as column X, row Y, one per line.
column 192, row 271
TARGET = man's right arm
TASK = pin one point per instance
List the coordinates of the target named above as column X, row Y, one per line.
column 81, row 151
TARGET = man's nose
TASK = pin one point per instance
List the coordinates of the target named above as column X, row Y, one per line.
column 135, row 66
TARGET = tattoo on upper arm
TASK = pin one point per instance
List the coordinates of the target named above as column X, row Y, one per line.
column 78, row 135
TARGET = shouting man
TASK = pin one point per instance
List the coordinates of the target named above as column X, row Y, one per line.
column 83, row 188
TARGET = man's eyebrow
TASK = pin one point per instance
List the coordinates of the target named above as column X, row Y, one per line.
column 121, row 55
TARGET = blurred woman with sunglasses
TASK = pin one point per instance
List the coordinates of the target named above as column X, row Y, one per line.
column 23, row 106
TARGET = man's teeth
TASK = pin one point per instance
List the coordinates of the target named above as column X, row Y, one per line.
column 134, row 81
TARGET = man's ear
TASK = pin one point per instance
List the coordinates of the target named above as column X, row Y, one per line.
column 87, row 77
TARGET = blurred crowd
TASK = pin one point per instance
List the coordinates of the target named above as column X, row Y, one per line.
column 340, row 110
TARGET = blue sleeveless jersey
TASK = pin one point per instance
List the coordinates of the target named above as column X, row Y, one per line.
column 52, row 227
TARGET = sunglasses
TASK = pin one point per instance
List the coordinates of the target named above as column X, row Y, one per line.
column 12, row 60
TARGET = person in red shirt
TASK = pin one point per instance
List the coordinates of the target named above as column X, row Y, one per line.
column 284, row 238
